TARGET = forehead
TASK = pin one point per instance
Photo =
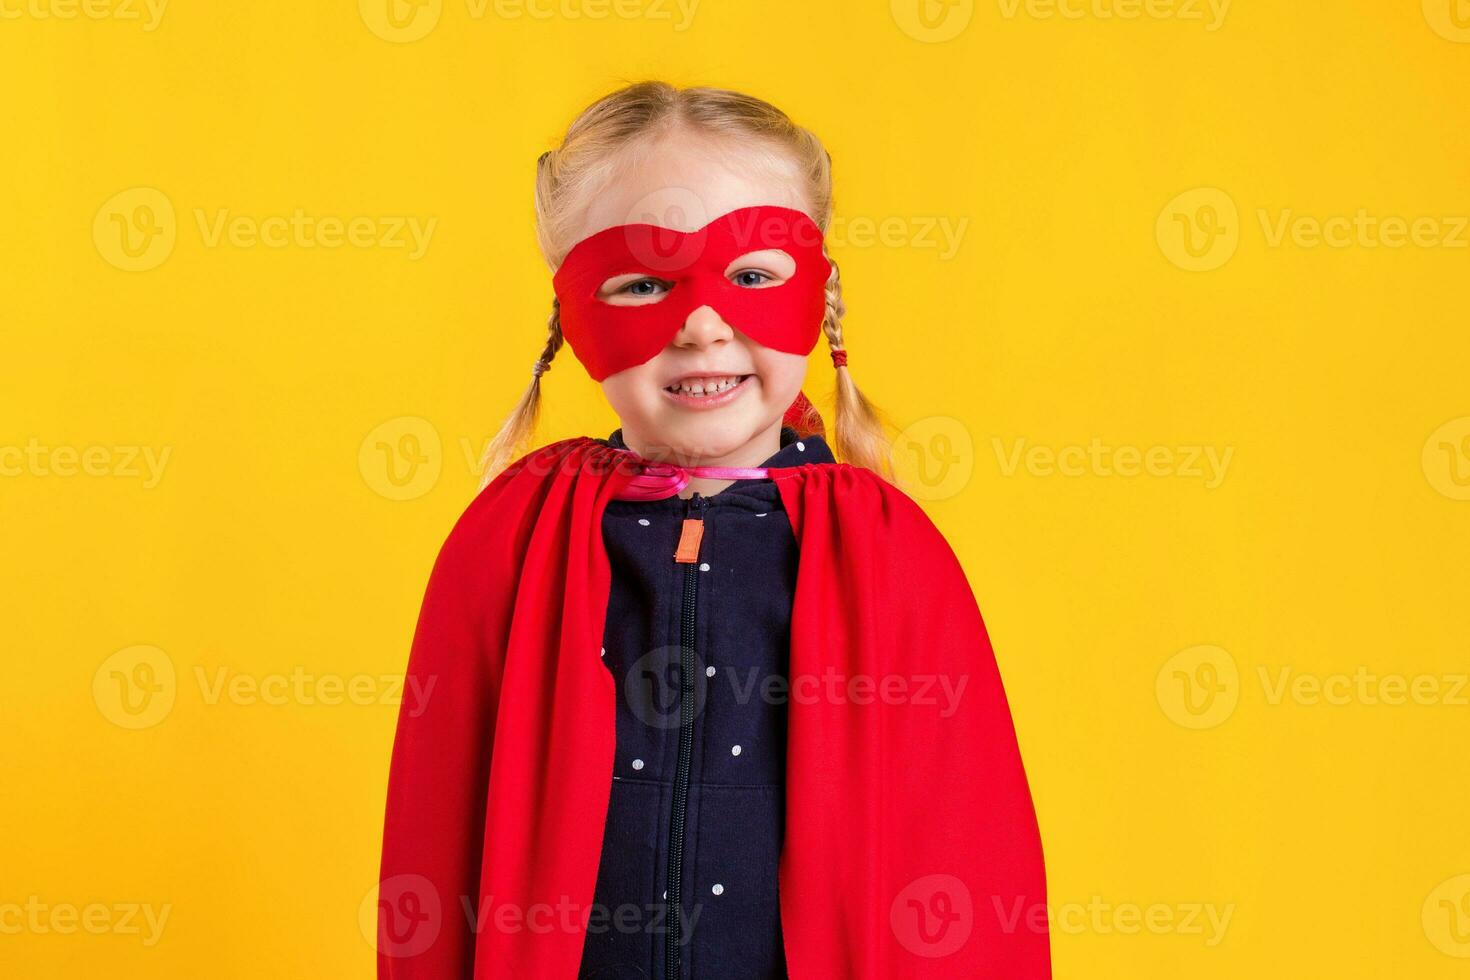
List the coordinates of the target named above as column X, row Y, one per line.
column 682, row 182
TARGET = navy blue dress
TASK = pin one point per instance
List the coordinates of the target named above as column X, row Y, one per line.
column 700, row 655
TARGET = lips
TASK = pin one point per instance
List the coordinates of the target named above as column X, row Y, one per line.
column 706, row 393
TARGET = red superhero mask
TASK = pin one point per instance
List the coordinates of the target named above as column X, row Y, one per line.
column 609, row 338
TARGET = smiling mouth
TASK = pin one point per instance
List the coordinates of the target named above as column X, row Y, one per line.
column 705, row 386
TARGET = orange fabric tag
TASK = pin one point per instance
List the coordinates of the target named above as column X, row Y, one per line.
column 689, row 538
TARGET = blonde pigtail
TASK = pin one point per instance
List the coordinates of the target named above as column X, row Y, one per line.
column 520, row 425
column 859, row 436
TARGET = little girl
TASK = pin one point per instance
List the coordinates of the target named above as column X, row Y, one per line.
column 707, row 703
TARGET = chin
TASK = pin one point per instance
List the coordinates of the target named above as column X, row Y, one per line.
column 709, row 433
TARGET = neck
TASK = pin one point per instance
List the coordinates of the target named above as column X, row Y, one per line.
column 753, row 452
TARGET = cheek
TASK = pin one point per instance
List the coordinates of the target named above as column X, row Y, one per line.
column 621, row 392
column 781, row 373
column 634, row 391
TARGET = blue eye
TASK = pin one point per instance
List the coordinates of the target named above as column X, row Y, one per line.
column 742, row 278
column 640, row 287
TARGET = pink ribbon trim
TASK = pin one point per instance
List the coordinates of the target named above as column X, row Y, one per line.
column 657, row 481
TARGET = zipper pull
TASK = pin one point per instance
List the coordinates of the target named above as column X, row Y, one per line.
column 693, row 532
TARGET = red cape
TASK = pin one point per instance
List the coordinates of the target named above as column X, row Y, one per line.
column 911, row 846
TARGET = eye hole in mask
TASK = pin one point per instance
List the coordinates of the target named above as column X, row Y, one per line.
column 765, row 269
column 625, row 292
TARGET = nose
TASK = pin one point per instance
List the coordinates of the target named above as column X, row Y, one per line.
column 702, row 328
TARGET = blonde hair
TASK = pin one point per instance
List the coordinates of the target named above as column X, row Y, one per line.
column 584, row 159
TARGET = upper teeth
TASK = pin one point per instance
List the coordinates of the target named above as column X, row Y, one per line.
column 709, row 386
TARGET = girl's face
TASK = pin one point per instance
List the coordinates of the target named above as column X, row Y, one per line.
column 712, row 394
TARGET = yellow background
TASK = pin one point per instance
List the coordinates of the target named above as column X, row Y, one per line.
column 274, row 544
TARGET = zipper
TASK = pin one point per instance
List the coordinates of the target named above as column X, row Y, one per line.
column 687, row 555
